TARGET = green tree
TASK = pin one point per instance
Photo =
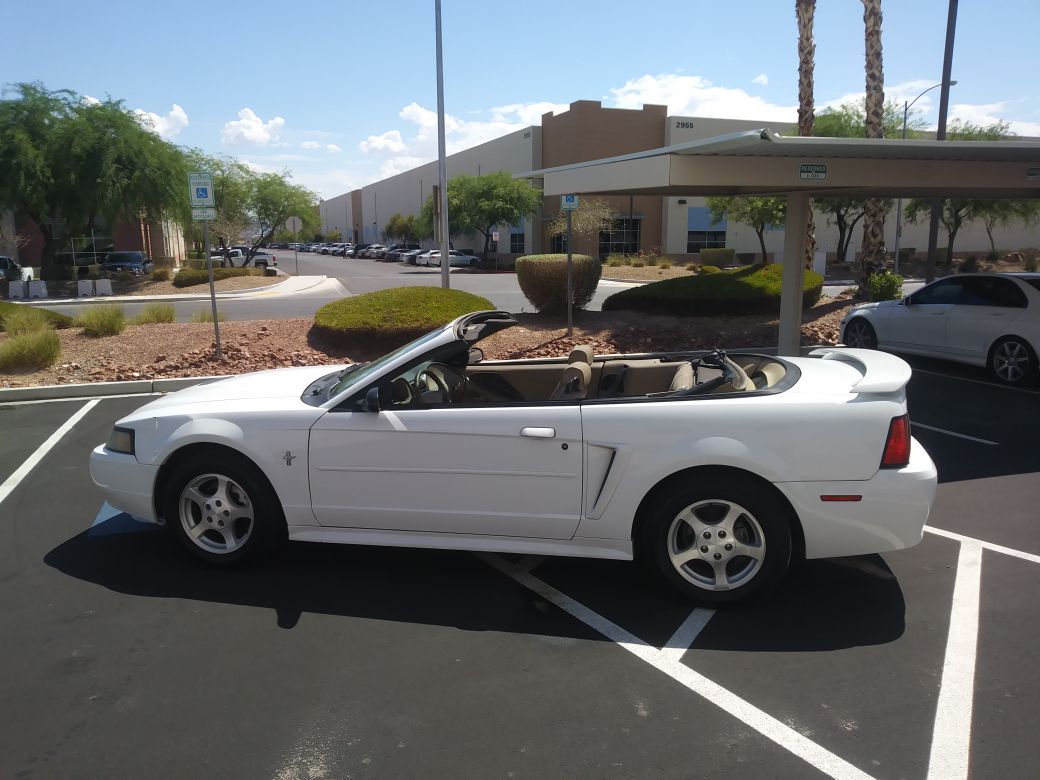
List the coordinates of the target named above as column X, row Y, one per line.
column 403, row 228
column 957, row 212
column 272, row 200
column 233, row 184
column 757, row 211
column 592, row 217
column 476, row 204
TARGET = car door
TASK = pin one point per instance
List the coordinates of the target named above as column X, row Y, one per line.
column 985, row 310
column 921, row 325
column 487, row 469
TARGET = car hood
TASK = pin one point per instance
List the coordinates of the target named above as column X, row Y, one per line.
column 875, row 305
column 279, row 383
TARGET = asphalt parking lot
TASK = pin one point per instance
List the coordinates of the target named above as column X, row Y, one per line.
column 125, row 658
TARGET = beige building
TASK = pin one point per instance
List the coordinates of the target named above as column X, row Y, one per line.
column 675, row 226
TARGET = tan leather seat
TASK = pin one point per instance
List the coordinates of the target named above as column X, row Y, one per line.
column 683, row 379
column 581, row 354
column 574, row 383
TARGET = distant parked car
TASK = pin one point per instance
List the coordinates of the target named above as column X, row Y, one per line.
column 136, row 262
column 393, row 254
column 12, row 271
column 455, row 258
column 408, row 256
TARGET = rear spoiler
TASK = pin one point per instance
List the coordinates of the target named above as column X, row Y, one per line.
column 882, row 373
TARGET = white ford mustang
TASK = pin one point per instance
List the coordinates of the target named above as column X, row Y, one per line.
column 716, row 470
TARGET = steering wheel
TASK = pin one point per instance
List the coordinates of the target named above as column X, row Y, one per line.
column 426, row 376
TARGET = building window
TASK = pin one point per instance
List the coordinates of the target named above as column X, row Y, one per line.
column 622, row 239
column 558, row 244
column 696, row 240
column 516, row 243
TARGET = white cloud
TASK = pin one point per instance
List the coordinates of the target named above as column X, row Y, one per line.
column 333, row 148
column 310, row 145
column 167, row 126
column 991, row 113
column 696, row 96
column 396, row 165
column 390, row 141
column 251, row 130
column 526, row 113
column 89, row 100
column 762, row 79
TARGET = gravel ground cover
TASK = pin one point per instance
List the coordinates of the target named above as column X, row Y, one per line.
column 186, row 349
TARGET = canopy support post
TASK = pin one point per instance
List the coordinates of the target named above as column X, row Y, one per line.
column 794, row 274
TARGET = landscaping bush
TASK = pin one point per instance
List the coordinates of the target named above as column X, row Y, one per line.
column 58, row 321
column 718, row 256
column 102, row 320
column 749, row 290
column 1032, row 263
column 543, row 280
column 189, row 277
column 665, row 263
column 651, row 260
column 993, row 255
column 156, row 312
column 161, row 275
column 25, row 319
column 615, row 262
column 33, row 350
column 710, row 269
column 206, row 315
column 885, row 286
column 969, row 266
column 907, row 253
column 393, row 317
column 637, row 263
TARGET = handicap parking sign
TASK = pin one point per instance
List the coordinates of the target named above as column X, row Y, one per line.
column 202, row 193
column 200, row 189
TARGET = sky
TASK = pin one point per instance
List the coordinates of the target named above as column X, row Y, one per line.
column 343, row 93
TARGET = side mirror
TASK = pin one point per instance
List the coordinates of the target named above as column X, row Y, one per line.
column 476, row 354
column 371, row 400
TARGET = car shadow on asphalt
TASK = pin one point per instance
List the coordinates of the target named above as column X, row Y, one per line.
column 823, row 605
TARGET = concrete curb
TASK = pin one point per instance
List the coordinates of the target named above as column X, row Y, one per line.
column 94, row 389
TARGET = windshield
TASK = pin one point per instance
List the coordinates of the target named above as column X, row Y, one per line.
column 361, row 375
column 121, row 257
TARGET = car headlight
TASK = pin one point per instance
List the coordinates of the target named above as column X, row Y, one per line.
column 121, row 440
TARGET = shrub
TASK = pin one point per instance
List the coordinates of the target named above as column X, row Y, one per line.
column 971, row 265
column 25, row 319
column 718, row 256
column 123, row 276
column 395, row 316
column 665, row 263
column 206, row 315
column 615, row 262
column 885, row 286
column 710, row 269
column 543, row 280
column 32, row 350
column 102, row 320
column 189, row 277
column 637, row 263
column 651, row 260
column 156, row 312
column 161, row 275
column 749, row 290
column 1032, row 263
column 907, row 253
column 58, row 321
column 993, row 255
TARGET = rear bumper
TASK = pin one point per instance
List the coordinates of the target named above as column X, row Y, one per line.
column 891, row 515
column 127, row 484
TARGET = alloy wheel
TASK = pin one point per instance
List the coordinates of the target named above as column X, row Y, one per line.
column 860, row 335
column 717, row 545
column 1011, row 360
column 216, row 513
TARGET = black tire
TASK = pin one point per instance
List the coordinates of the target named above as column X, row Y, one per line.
column 267, row 528
column 861, row 332
column 762, row 525
column 262, row 265
column 472, row 263
column 1012, row 361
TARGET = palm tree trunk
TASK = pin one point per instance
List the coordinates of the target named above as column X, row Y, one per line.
column 874, row 213
column 804, row 10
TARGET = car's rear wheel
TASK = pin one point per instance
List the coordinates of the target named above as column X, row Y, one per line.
column 860, row 334
column 1012, row 360
column 720, row 542
column 223, row 510
column 473, row 263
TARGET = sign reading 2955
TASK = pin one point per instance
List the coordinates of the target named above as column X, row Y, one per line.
column 683, row 125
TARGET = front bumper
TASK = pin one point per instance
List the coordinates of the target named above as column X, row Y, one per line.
column 126, row 483
column 891, row 515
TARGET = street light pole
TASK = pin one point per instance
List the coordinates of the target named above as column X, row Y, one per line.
column 899, row 201
column 442, row 165
column 940, row 132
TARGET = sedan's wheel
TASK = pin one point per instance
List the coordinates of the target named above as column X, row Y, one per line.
column 223, row 510
column 719, row 543
column 1012, row 360
column 473, row 263
column 860, row 334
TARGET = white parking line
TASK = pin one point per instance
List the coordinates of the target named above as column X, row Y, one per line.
column 915, row 424
column 951, row 733
column 77, row 398
column 33, row 460
column 986, row 545
column 762, row 722
column 976, row 381
column 686, row 634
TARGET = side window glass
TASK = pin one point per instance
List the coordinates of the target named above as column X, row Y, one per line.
column 975, row 292
column 1006, row 293
column 945, row 291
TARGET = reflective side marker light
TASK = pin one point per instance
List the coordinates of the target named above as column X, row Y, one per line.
column 841, row 498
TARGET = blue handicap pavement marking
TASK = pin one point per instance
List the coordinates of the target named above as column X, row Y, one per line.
column 111, row 521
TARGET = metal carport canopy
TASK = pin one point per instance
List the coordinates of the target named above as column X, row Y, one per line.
column 762, row 162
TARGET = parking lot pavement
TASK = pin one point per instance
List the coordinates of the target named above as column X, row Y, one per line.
column 126, row 658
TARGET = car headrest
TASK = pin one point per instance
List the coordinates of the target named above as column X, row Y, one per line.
column 581, row 354
column 683, row 379
column 574, row 383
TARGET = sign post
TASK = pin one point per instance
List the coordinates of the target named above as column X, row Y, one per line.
column 203, row 202
column 294, row 224
column 569, row 203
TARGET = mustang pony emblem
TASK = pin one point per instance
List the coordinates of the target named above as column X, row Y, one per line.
column 289, row 458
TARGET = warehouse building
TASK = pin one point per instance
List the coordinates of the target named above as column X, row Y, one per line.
column 675, row 226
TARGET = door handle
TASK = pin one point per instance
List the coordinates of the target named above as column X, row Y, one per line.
column 538, row 433
column 938, row 313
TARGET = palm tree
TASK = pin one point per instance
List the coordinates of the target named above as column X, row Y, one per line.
column 874, row 213
column 804, row 11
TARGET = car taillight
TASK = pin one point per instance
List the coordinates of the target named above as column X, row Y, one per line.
column 897, row 446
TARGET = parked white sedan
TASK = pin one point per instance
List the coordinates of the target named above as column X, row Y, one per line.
column 990, row 320
column 717, row 470
column 455, row 258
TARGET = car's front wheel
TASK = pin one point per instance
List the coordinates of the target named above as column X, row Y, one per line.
column 719, row 542
column 223, row 510
column 860, row 334
column 1012, row 360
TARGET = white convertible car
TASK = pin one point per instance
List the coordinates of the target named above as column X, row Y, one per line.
column 716, row 470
